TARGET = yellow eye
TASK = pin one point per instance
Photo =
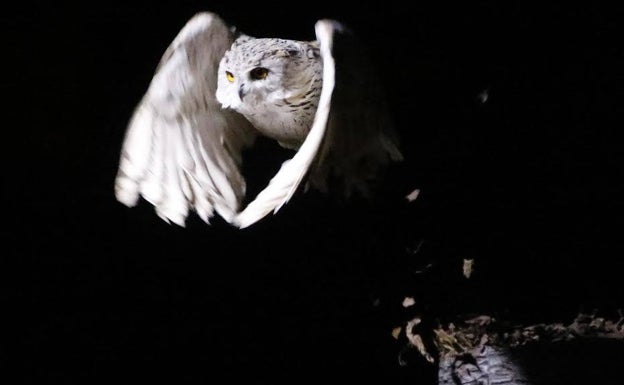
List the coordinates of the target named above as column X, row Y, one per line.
column 258, row 73
column 229, row 76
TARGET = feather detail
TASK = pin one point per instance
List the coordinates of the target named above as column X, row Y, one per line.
column 181, row 150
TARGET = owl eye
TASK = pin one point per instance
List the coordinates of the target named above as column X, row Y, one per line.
column 229, row 76
column 258, row 73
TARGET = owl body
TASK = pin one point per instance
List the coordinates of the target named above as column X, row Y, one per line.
column 216, row 90
column 274, row 83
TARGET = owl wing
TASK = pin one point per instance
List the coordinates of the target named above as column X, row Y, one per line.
column 182, row 151
column 360, row 139
column 350, row 138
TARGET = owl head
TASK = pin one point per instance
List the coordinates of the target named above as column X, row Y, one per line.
column 259, row 71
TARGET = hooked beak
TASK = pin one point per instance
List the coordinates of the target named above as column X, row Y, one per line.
column 241, row 92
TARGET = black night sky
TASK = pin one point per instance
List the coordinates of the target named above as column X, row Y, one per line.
column 529, row 183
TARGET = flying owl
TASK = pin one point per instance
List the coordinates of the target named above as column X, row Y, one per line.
column 217, row 89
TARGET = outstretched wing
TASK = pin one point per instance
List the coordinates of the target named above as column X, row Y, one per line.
column 360, row 139
column 182, row 151
column 351, row 138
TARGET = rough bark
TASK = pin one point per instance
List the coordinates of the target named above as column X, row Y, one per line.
column 482, row 350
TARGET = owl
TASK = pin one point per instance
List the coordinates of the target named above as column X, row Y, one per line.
column 216, row 90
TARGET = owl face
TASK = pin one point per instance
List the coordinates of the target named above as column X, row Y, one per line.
column 257, row 72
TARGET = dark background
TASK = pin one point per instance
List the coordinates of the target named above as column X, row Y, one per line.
column 529, row 184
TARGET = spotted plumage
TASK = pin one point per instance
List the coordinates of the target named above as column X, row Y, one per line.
column 275, row 104
column 216, row 90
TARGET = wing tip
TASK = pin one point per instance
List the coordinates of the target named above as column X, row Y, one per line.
column 245, row 220
column 126, row 191
column 323, row 28
column 204, row 17
column 330, row 23
column 175, row 217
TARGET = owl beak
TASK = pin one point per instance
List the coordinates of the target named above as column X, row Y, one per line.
column 241, row 92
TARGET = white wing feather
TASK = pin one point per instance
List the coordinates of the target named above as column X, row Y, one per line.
column 182, row 152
